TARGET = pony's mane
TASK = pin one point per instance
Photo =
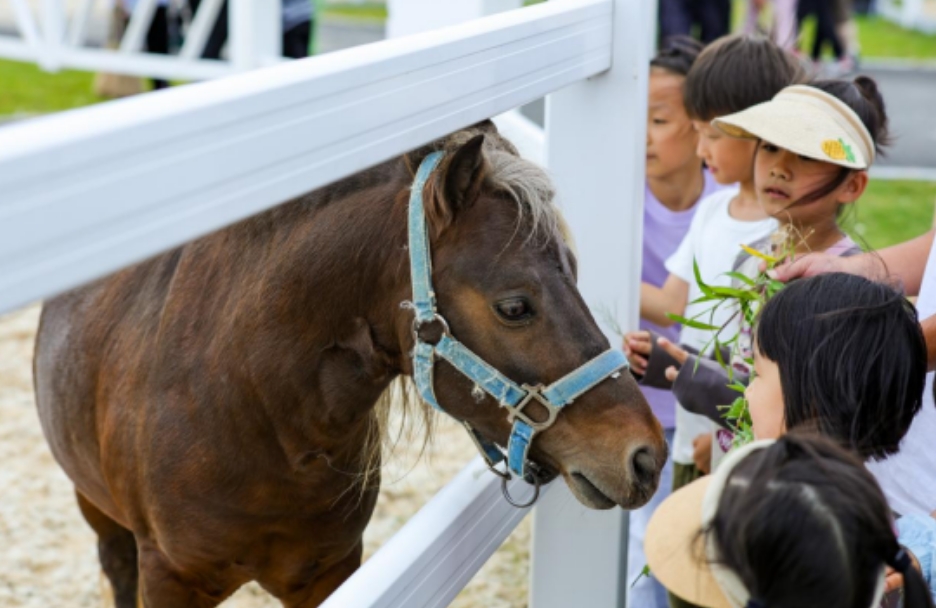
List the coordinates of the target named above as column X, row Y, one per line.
column 523, row 182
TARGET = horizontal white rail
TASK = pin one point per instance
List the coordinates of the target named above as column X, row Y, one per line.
column 439, row 549
column 86, row 192
column 149, row 65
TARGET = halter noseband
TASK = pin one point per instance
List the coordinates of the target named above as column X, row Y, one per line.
column 511, row 396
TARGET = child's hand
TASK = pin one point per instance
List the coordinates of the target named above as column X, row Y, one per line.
column 702, row 452
column 675, row 352
column 637, row 348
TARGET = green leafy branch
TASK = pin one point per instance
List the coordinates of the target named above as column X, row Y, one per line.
column 745, row 301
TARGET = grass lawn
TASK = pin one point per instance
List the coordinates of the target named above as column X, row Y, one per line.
column 24, row 88
column 879, row 38
column 891, row 212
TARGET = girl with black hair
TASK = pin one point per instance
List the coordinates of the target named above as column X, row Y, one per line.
column 843, row 355
column 792, row 523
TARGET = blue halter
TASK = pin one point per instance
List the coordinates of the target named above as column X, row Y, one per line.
column 511, row 396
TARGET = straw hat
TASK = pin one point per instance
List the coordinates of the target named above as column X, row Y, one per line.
column 807, row 121
column 678, row 554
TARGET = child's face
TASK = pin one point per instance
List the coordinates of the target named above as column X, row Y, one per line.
column 671, row 141
column 765, row 399
column 731, row 160
column 782, row 178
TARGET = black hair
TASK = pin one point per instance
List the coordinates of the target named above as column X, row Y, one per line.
column 677, row 55
column 736, row 72
column 851, row 358
column 804, row 525
column 864, row 98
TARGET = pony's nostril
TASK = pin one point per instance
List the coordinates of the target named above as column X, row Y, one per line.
column 644, row 466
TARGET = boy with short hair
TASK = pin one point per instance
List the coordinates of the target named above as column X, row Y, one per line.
column 732, row 74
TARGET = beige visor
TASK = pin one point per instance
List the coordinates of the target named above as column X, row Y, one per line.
column 676, row 549
column 807, row 121
column 683, row 559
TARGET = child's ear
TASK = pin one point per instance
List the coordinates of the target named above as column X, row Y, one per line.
column 854, row 187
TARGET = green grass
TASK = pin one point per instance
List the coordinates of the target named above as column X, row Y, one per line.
column 371, row 11
column 878, row 37
column 881, row 38
column 24, row 88
column 891, row 212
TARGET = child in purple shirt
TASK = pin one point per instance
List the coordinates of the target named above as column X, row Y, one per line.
column 676, row 181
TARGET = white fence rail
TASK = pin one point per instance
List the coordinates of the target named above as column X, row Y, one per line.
column 131, row 178
column 87, row 192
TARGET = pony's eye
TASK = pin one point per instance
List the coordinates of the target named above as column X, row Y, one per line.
column 514, row 309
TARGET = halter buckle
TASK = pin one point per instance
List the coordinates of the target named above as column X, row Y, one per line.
column 515, row 412
column 436, row 318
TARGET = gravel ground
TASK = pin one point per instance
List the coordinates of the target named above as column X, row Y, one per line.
column 47, row 551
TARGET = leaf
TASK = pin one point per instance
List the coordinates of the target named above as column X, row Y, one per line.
column 645, row 571
column 757, row 254
column 737, row 386
column 742, row 277
column 698, row 277
column 692, row 322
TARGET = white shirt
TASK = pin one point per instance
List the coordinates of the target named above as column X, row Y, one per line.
column 908, row 478
column 713, row 241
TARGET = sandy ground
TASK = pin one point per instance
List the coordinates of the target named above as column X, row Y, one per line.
column 47, row 551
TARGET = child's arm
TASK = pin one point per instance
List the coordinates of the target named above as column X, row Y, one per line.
column 700, row 384
column 655, row 302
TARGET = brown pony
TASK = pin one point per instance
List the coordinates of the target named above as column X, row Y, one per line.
column 215, row 406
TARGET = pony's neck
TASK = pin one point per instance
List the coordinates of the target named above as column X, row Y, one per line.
column 334, row 275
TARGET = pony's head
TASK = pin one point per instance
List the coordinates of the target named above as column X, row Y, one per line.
column 504, row 276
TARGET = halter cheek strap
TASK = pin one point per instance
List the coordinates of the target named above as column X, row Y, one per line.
column 508, row 394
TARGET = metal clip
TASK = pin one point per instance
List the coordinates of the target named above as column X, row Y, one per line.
column 533, row 392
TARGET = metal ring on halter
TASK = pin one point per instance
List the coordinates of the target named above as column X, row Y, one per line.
column 436, row 318
column 508, row 498
column 504, row 475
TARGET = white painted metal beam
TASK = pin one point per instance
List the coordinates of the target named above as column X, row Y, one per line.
column 197, row 36
column 89, row 191
column 106, row 60
column 139, row 25
column 25, row 22
column 436, row 553
column 78, row 28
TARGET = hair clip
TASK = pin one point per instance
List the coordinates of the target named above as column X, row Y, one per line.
column 902, row 561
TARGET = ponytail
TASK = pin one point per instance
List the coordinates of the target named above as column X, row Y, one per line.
column 916, row 594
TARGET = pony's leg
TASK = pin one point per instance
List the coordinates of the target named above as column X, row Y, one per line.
column 318, row 590
column 117, row 551
column 164, row 587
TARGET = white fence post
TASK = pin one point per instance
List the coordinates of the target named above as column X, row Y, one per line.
column 595, row 141
column 53, row 22
column 256, row 33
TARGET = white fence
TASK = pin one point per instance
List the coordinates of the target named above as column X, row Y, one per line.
column 911, row 14
column 56, row 37
column 89, row 191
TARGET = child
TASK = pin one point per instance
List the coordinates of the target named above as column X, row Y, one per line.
column 845, row 356
column 793, row 523
column 840, row 354
column 676, row 181
column 732, row 74
column 838, row 129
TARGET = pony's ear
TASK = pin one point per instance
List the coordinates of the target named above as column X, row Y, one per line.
column 464, row 172
column 460, row 183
